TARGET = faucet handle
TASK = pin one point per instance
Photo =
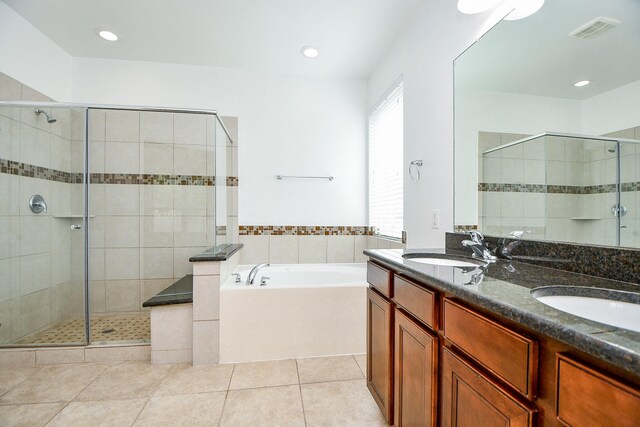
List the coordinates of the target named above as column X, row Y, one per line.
column 476, row 236
column 517, row 234
column 263, row 280
column 237, row 277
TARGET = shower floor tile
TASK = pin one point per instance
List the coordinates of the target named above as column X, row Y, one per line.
column 104, row 329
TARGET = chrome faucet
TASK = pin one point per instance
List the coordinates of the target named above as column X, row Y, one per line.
column 479, row 247
column 505, row 249
column 254, row 272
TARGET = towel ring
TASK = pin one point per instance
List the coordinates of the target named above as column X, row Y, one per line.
column 417, row 163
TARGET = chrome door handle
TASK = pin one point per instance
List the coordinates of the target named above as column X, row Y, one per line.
column 76, row 226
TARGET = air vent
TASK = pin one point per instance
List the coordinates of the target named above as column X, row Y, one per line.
column 594, row 28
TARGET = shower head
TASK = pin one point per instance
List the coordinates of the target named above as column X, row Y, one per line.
column 50, row 118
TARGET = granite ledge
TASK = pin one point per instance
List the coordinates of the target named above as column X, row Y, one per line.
column 218, row 253
column 181, row 292
column 511, row 298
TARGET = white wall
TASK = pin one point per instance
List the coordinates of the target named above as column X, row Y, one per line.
column 30, row 57
column 612, row 111
column 290, row 125
column 424, row 54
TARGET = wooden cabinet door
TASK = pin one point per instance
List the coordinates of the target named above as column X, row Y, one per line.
column 380, row 352
column 471, row 400
column 415, row 374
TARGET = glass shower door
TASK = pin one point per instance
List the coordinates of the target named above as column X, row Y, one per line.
column 629, row 195
column 42, row 233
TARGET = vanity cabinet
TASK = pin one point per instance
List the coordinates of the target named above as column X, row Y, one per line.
column 470, row 399
column 415, row 373
column 435, row 360
column 380, row 313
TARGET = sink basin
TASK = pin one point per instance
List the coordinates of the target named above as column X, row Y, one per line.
column 443, row 260
column 615, row 308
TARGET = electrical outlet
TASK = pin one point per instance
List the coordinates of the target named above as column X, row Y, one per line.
column 435, row 219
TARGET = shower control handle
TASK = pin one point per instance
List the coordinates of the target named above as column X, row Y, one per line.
column 76, row 226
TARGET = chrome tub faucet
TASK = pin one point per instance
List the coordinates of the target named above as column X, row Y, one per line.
column 254, row 272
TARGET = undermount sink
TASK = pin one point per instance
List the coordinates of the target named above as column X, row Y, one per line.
column 443, row 260
column 615, row 308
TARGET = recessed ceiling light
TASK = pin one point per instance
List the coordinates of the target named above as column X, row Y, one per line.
column 471, row 7
column 523, row 8
column 581, row 83
column 310, row 51
column 107, row 35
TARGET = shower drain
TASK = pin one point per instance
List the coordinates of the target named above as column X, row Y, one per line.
column 108, row 331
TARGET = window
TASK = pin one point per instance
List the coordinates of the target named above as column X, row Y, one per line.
column 385, row 165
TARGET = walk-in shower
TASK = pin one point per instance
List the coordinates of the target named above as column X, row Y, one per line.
column 102, row 206
column 562, row 187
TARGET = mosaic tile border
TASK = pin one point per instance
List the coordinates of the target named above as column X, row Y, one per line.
column 464, row 228
column 11, row 167
column 304, row 230
column 557, row 189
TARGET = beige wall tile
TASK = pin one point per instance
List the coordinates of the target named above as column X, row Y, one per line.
column 122, row 126
column 9, row 279
column 122, row 295
column 35, row 273
column 9, row 236
column 122, row 231
column 35, row 234
column 156, row 158
column 10, row 88
column 172, row 327
column 97, row 261
column 121, row 157
column 312, row 249
column 190, row 200
column 156, row 231
column 340, row 248
column 156, row 127
column 283, row 250
column 189, row 160
column 97, row 297
column 97, row 126
column 10, row 194
column 156, row 199
column 9, row 139
column 122, row 264
column 206, row 268
column 206, row 297
column 122, row 199
column 255, row 250
column 206, row 342
column 190, row 129
column 189, row 231
column 360, row 244
column 157, row 263
column 181, row 264
column 35, row 311
column 151, row 287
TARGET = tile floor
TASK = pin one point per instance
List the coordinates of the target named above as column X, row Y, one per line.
column 327, row 391
column 104, row 329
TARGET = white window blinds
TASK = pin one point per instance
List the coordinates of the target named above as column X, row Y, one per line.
column 385, row 165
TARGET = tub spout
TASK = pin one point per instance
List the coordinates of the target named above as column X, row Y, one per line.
column 254, row 272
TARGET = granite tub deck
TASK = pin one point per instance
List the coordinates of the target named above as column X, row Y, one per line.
column 506, row 291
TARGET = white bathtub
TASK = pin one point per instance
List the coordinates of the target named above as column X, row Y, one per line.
column 305, row 310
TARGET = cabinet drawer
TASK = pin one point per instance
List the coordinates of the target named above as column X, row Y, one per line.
column 509, row 355
column 585, row 397
column 415, row 299
column 380, row 278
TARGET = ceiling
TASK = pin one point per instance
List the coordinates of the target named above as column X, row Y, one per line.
column 536, row 56
column 352, row 35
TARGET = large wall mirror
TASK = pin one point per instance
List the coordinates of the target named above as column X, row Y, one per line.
column 533, row 150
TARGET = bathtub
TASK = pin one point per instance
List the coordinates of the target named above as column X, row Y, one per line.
column 304, row 310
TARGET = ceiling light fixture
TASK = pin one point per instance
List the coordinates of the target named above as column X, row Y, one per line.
column 524, row 8
column 471, row 7
column 107, row 35
column 581, row 83
column 310, row 51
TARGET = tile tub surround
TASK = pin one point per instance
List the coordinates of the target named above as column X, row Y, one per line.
column 612, row 263
column 506, row 292
column 308, row 244
column 322, row 391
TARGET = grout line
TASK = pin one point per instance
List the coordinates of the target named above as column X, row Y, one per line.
column 304, row 415
column 226, row 396
column 141, row 409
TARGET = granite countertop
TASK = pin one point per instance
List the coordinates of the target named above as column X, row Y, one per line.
column 506, row 291
column 218, row 253
column 181, row 292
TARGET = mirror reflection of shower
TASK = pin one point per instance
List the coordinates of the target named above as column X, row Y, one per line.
column 50, row 118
